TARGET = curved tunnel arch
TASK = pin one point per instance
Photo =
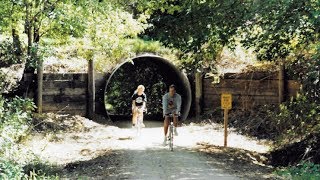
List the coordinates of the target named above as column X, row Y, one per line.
column 172, row 74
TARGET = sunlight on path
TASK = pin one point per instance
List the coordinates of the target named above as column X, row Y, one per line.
column 189, row 136
column 148, row 157
column 85, row 145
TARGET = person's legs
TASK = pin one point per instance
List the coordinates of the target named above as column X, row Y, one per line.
column 134, row 116
column 142, row 120
column 139, row 115
column 166, row 125
column 175, row 123
column 165, row 128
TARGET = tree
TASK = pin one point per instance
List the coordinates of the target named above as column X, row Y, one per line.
column 28, row 16
column 200, row 29
column 277, row 28
column 101, row 24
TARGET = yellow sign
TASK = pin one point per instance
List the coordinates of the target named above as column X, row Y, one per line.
column 226, row 101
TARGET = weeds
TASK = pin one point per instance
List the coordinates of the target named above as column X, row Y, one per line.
column 15, row 125
column 302, row 171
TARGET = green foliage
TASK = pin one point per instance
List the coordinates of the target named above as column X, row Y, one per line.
column 188, row 25
column 297, row 119
column 123, row 85
column 301, row 116
column 290, row 122
column 11, row 15
column 15, row 117
column 306, row 68
column 65, row 21
column 37, row 169
column 106, row 27
column 199, row 29
column 276, row 28
column 2, row 83
column 141, row 46
column 74, row 49
column 8, row 54
column 10, row 170
column 39, row 54
column 101, row 25
column 303, row 171
column 108, row 34
column 15, row 124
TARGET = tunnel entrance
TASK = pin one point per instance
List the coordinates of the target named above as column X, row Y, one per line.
column 156, row 74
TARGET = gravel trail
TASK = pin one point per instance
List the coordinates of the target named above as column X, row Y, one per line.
column 116, row 152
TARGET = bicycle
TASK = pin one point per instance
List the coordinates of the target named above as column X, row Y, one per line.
column 171, row 128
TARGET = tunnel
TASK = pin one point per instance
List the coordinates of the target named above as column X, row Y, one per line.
column 154, row 72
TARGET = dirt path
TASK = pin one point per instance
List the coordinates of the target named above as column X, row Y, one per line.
column 161, row 164
column 109, row 152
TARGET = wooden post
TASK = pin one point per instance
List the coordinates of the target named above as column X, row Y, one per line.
column 281, row 82
column 226, row 127
column 91, row 90
column 198, row 95
column 39, row 85
column 226, row 104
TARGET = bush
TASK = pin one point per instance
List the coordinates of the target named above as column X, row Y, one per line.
column 258, row 122
column 301, row 116
column 295, row 119
column 306, row 68
column 15, row 118
column 8, row 54
column 298, row 118
column 300, row 172
column 295, row 124
column 10, row 170
column 15, row 124
column 37, row 169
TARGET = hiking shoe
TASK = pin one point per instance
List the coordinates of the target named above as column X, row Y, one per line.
column 175, row 132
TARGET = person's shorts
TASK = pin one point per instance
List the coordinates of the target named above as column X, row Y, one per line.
column 174, row 113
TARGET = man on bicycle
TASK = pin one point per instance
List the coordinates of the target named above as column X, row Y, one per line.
column 171, row 104
column 139, row 100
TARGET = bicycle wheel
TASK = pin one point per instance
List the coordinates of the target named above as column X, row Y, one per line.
column 171, row 138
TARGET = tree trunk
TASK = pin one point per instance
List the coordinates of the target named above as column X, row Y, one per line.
column 17, row 49
column 28, row 30
column 16, row 44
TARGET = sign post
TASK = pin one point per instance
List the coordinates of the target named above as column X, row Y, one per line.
column 226, row 105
